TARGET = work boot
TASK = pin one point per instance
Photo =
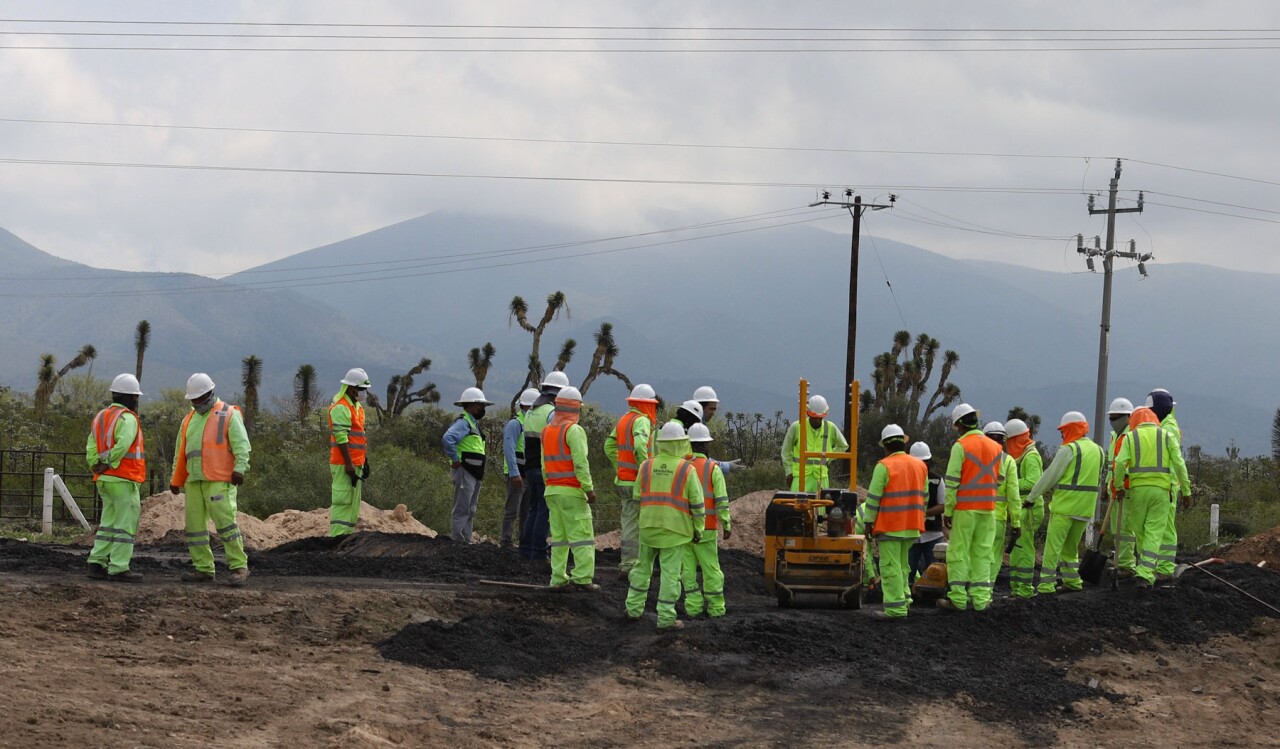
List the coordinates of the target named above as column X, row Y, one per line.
column 1142, row 584
column 128, row 576
column 624, row 573
column 1124, row 573
column 1164, row 579
column 196, row 576
column 238, row 577
column 97, row 571
column 586, row 587
column 946, row 604
column 674, row 626
column 881, row 616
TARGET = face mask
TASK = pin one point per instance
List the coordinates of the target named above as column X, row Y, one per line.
column 207, row 406
column 1120, row 423
column 359, row 395
column 480, row 415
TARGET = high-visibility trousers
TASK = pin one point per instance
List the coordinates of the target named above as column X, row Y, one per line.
column 344, row 502
column 1149, row 508
column 572, row 533
column 704, row 556
column 671, row 562
column 1022, row 560
column 969, row 558
column 1122, row 530
column 1169, row 546
column 997, row 547
column 113, row 544
column 893, row 574
column 216, row 501
column 1061, row 559
column 629, row 526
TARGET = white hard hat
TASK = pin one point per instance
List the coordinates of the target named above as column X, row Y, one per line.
column 569, row 394
column 705, row 394
column 1072, row 417
column 1014, row 427
column 472, row 395
column 642, row 392
column 556, row 379
column 920, row 450
column 356, row 377
column 672, row 431
column 994, row 427
column 198, row 384
column 961, row 411
column 1121, row 406
column 528, row 396
column 693, row 407
column 700, row 433
column 126, row 384
column 818, row 405
column 892, row 430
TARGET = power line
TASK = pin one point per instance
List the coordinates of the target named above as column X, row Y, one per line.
column 541, row 27
column 1216, row 213
column 641, row 50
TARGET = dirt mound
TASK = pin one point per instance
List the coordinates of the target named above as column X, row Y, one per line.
column 1264, row 547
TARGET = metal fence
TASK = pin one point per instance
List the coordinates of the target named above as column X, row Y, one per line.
column 22, row 484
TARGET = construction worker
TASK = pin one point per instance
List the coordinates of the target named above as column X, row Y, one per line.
column 513, row 468
column 1008, row 502
column 629, row 444
column 464, row 447
column 569, row 494
column 706, row 397
column 822, row 436
column 211, row 459
column 671, row 515
column 348, row 453
column 1075, row 476
column 116, row 454
column 1151, row 459
column 689, row 413
column 1118, row 526
column 1022, row 560
column 973, row 482
column 894, row 513
column 705, row 554
column 921, row 554
column 537, row 526
column 1161, row 402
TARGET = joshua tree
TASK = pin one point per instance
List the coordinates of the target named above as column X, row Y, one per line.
column 141, row 340
column 519, row 311
column 47, row 377
column 480, row 359
column 602, row 358
column 401, row 395
column 1032, row 420
column 250, row 379
column 901, row 377
column 304, row 391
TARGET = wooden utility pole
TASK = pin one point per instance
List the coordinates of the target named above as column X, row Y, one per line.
column 855, row 209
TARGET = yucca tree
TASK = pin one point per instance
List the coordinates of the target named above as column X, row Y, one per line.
column 518, row 310
column 901, row 377
column 479, row 360
column 1032, row 420
column 602, row 358
column 141, row 340
column 250, row 379
column 304, row 391
column 401, row 395
column 46, row 379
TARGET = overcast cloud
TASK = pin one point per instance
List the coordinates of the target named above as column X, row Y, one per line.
column 1209, row 109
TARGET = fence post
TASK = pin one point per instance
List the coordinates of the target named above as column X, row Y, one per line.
column 1213, row 524
column 70, row 501
column 46, row 525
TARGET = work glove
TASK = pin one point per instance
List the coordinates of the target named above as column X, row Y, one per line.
column 100, row 467
column 788, row 478
column 175, row 490
column 365, row 470
column 591, row 497
column 697, row 537
column 237, row 478
column 729, row 465
column 355, row 479
column 728, row 534
column 1013, row 540
column 1187, row 502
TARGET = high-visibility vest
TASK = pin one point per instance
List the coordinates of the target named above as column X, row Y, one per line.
column 535, row 420
column 624, row 433
column 557, row 459
column 356, row 441
column 471, row 447
column 666, row 506
column 1117, row 441
column 980, row 473
column 133, row 466
column 217, row 462
column 812, row 463
column 1151, row 444
column 1077, row 491
column 705, row 468
column 903, row 503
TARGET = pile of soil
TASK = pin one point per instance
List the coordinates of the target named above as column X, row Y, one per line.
column 21, row 556
column 1264, row 547
column 399, row 556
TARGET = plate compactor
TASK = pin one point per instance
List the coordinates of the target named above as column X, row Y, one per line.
column 809, row 543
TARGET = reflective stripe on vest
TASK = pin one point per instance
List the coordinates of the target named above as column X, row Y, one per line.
column 650, row 498
column 901, row 506
column 979, row 473
column 826, row 435
column 557, row 459
column 1159, row 466
column 1074, row 484
column 624, row 433
column 217, row 462
column 133, row 465
column 356, row 442
column 706, row 468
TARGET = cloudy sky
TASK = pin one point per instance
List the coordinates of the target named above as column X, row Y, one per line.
column 798, row 87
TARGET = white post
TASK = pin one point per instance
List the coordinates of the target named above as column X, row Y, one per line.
column 70, row 502
column 46, row 525
column 1213, row 524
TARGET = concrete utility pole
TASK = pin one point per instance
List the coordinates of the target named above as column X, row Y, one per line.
column 855, row 209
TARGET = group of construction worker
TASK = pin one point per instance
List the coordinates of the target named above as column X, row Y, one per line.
column 995, row 483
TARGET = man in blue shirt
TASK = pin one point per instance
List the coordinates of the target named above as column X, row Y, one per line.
column 464, row 447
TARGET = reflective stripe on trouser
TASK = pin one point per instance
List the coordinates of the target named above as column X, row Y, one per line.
column 893, row 574
column 1061, row 560
column 466, row 499
column 1169, row 546
column 1022, row 560
column 969, row 558
column 344, row 502
column 1148, row 507
column 511, row 510
column 997, row 547
column 212, row 501
column 571, row 533
column 1122, row 514
column 629, row 524
column 709, row 595
column 670, row 561
column 113, row 544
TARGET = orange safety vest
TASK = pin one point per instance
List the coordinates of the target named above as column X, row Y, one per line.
column 902, row 505
column 704, row 467
column 673, row 498
column 133, row 466
column 356, row 442
column 980, row 473
column 624, row 433
column 1112, row 479
column 217, row 462
column 557, row 460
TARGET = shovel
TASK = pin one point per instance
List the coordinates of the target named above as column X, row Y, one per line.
column 1094, row 561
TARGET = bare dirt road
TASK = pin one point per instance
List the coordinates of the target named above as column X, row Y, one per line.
column 389, row 641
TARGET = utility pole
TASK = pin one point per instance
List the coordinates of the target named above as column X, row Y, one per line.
column 855, row 209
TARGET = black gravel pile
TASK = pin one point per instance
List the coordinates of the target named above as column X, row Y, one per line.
column 23, row 556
